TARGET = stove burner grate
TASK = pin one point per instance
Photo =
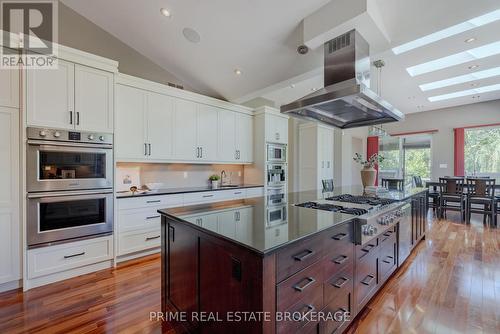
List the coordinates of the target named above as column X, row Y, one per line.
column 333, row 208
column 361, row 199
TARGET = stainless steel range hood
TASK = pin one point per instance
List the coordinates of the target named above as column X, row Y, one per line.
column 346, row 101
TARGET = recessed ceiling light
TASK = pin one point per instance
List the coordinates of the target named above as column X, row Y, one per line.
column 455, row 59
column 237, row 71
column 492, row 72
column 470, row 40
column 448, row 32
column 473, row 67
column 191, row 35
column 165, row 12
column 292, row 86
column 467, row 92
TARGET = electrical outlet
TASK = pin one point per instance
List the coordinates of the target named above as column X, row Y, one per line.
column 185, row 174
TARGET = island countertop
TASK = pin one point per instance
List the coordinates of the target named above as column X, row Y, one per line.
column 255, row 226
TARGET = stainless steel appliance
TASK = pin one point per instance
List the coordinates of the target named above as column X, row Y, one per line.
column 59, row 160
column 276, row 175
column 346, row 100
column 276, row 195
column 276, row 153
column 405, row 234
column 67, row 215
column 276, row 215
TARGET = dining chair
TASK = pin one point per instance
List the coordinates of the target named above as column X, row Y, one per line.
column 393, row 184
column 327, row 185
column 451, row 196
column 481, row 199
column 433, row 197
column 417, row 181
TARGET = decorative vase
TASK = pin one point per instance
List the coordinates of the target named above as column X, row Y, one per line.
column 215, row 184
column 368, row 176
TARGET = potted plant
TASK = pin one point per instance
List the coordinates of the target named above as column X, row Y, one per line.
column 215, row 180
column 368, row 173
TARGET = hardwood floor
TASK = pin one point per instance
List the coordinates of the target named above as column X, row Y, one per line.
column 451, row 284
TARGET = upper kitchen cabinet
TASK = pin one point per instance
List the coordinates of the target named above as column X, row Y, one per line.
column 244, row 138
column 160, row 126
column 185, row 139
column 9, row 88
column 207, row 129
column 276, row 128
column 78, row 94
column 235, row 137
column 93, row 99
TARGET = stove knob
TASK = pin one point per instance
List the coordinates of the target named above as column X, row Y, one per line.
column 101, row 138
column 57, row 134
column 43, row 133
column 90, row 137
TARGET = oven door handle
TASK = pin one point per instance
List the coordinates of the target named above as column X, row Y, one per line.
column 98, row 193
column 57, row 145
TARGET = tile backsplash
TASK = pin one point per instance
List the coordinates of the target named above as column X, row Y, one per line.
column 172, row 175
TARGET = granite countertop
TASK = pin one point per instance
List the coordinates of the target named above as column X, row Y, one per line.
column 170, row 191
column 256, row 232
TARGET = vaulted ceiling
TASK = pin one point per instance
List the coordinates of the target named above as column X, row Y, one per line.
column 260, row 37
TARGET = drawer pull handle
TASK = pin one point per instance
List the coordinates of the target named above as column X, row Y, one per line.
column 303, row 287
column 368, row 280
column 388, row 233
column 74, row 255
column 153, row 217
column 339, row 236
column 368, row 248
column 297, row 317
column 341, row 282
column 237, row 193
column 303, row 255
column 155, row 201
column 152, row 238
column 205, row 196
column 388, row 261
column 341, row 259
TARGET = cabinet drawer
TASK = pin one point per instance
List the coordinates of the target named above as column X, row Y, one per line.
column 233, row 194
column 255, row 192
column 367, row 249
column 130, row 242
column 299, row 256
column 366, row 279
column 340, row 309
column 339, row 285
column 339, row 248
column 387, row 259
column 312, row 303
column 302, row 285
column 130, row 220
column 161, row 201
column 204, row 197
column 53, row 259
column 388, row 236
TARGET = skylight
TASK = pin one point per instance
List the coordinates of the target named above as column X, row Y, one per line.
column 456, row 59
column 448, row 32
column 492, row 72
column 467, row 92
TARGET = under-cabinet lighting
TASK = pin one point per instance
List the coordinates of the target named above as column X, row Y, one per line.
column 492, row 72
column 473, row 91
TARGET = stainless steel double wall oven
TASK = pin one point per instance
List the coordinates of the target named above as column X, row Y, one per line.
column 69, row 180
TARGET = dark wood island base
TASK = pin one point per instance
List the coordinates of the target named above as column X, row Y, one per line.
column 317, row 284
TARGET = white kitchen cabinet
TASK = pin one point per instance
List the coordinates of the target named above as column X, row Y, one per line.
column 10, row 258
column 130, row 127
column 160, row 126
column 244, row 137
column 185, row 138
column 9, row 88
column 227, row 136
column 207, row 129
column 50, row 96
column 276, row 129
column 93, row 99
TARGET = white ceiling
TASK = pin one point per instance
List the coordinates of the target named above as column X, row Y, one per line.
column 260, row 37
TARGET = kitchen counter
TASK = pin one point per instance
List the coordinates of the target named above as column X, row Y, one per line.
column 183, row 190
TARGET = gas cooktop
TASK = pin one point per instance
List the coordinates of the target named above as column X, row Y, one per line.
column 333, row 208
column 372, row 201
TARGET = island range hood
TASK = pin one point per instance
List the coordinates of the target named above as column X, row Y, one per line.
column 346, row 101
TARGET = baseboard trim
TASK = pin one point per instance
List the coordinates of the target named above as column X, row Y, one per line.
column 136, row 255
column 13, row 285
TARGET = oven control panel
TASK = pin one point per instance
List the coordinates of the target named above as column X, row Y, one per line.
column 70, row 136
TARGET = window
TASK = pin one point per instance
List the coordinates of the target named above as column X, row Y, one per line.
column 482, row 152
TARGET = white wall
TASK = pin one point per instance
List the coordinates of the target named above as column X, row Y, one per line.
column 445, row 120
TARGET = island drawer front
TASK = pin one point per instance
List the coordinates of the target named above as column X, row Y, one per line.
column 387, row 258
column 340, row 309
column 313, row 303
column 388, row 236
column 139, row 240
column 135, row 219
column 299, row 256
column 302, row 285
column 162, row 201
column 367, row 249
column 339, row 285
column 366, row 278
column 338, row 258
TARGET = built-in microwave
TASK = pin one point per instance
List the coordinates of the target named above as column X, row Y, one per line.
column 276, row 153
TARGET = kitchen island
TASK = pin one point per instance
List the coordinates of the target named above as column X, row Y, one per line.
column 248, row 267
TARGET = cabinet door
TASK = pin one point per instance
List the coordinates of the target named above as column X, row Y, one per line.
column 210, row 222
column 185, row 144
column 244, row 134
column 9, row 88
column 93, row 99
column 10, row 261
column 276, row 129
column 160, row 119
column 207, row 129
column 227, row 136
column 227, row 223
column 50, row 96
column 130, row 123
column 244, row 223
